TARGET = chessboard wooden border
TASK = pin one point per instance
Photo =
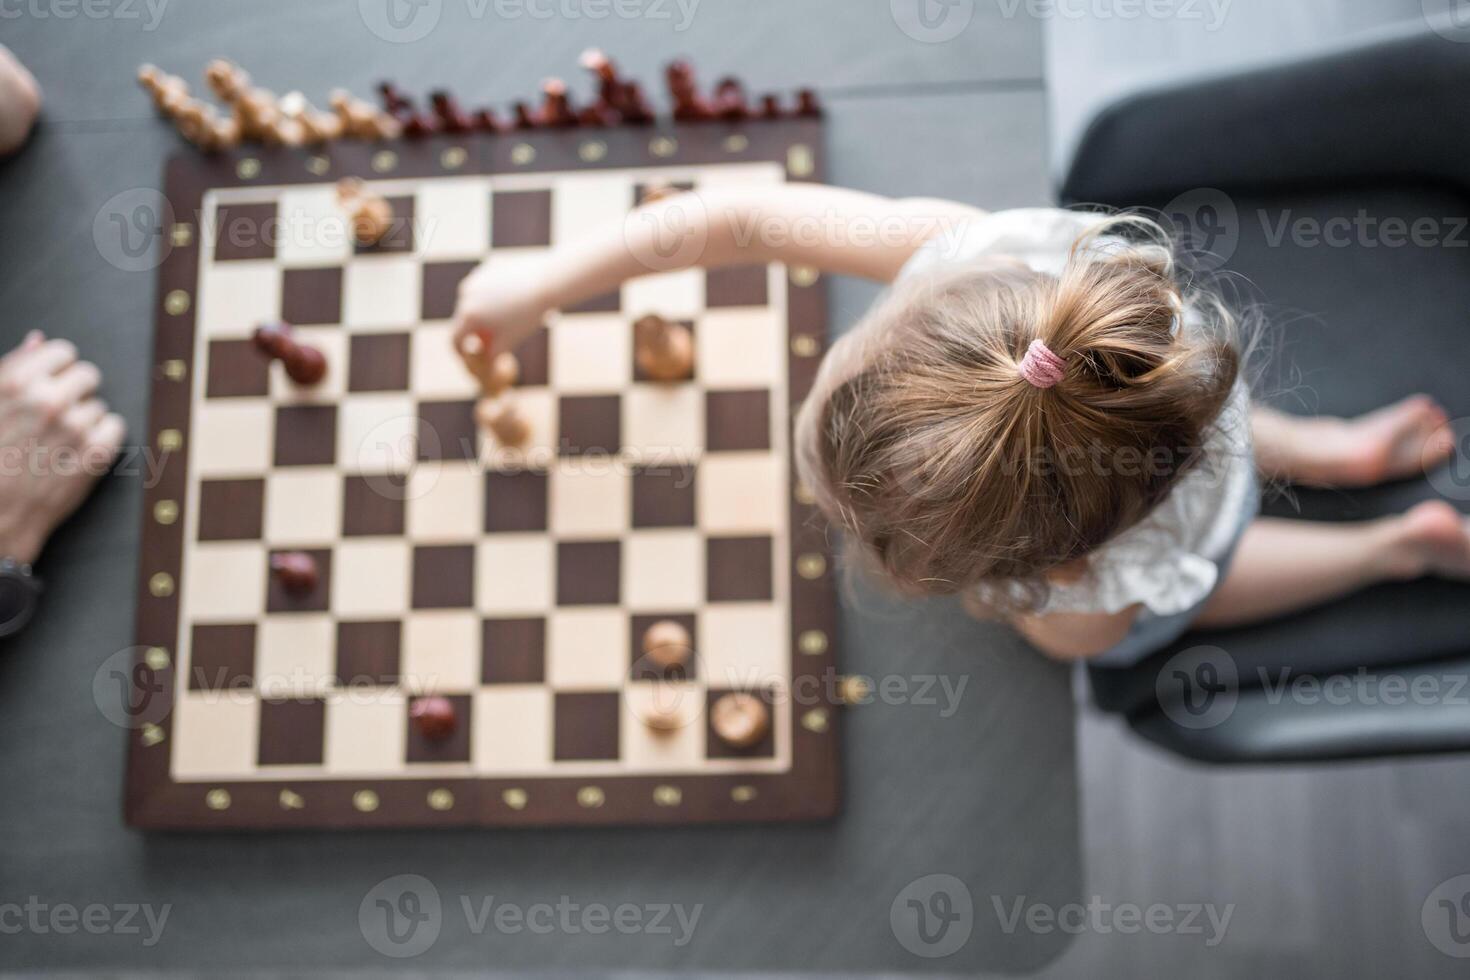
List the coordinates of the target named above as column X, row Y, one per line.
column 809, row 790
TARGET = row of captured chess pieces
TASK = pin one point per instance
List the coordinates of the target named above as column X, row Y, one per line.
column 252, row 114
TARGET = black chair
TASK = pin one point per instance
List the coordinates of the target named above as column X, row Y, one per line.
column 1293, row 172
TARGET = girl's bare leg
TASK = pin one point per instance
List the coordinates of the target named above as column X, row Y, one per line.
column 1401, row 440
column 1282, row 566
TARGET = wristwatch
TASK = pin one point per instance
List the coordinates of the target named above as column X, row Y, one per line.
column 20, row 591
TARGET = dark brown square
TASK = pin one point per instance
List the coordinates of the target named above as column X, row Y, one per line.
column 400, row 232
column 641, row 375
column 535, row 358
column 277, row 599
column 610, row 302
column 311, row 296
column 738, row 569
column 643, row 669
column 443, row 577
column 236, row 370
column 513, row 651
column 455, row 748
column 663, row 496
column 306, row 435
column 716, row 748
column 590, row 425
column 245, row 231
column 588, row 573
column 520, row 219
column 372, row 504
column 585, row 726
column 441, row 287
column 292, row 732
column 378, row 362
column 447, row 430
column 231, row 510
column 737, row 285
column 368, row 653
column 735, row 420
column 222, row 657
column 515, row 501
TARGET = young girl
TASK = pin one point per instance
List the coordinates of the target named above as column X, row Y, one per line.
column 1044, row 416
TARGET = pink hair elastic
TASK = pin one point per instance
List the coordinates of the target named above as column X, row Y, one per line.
column 1041, row 367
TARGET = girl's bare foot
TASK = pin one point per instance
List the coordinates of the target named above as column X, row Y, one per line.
column 1432, row 538
column 1399, row 441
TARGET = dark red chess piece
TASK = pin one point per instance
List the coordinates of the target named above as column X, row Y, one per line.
column 807, row 104
column 634, row 107
column 689, row 106
column 487, row 122
column 304, row 365
column 523, row 117
column 452, row 119
column 729, row 102
column 556, row 107
column 296, row 571
column 434, row 717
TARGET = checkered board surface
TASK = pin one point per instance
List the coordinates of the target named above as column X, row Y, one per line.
column 517, row 583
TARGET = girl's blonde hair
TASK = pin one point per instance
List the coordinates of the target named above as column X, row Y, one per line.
column 949, row 470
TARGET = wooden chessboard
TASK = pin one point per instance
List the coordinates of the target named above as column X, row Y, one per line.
column 516, row 583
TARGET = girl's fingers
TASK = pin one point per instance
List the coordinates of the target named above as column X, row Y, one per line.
column 82, row 418
column 41, row 361
column 106, row 436
column 77, row 382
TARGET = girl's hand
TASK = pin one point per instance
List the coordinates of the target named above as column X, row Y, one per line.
column 20, row 101
column 499, row 306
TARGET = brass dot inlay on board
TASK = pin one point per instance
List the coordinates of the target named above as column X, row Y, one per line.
column 800, row 161
column 217, row 799
column 811, row 566
column 152, row 734
column 667, row 795
column 805, row 345
column 365, row 800
column 515, row 798
column 248, row 168
column 813, row 643
column 440, row 799
column 522, row 154
column 663, row 146
column 804, row 275
column 291, row 800
column 318, row 165
column 181, row 235
column 854, row 689
column 591, row 797
column 737, row 143
column 170, row 440
column 156, row 658
column 161, row 585
column 453, row 158
column 815, row 720
column 176, row 303
column 175, row 369
column 592, row 150
column 166, row 511
column 384, row 161
column 742, row 794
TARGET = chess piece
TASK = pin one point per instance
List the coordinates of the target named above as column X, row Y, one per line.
column 663, row 349
column 487, row 122
column 556, row 108
column 807, row 104
column 730, row 103
column 661, row 714
column 371, row 214
column 770, row 107
column 689, row 106
column 359, row 120
column 314, row 127
column 740, row 720
column 395, row 103
column 296, row 571
column 434, row 717
column 634, row 106
column 303, row 364
column 523, row 116
column 452, row 119
column 666, row 645
column 504, row 420
column 496, row 374
column 169, row 92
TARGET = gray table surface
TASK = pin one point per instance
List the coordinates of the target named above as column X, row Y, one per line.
column 986, row 793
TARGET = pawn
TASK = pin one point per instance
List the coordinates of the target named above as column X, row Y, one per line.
column 304, row 365
column 504, row 420
column 556, row 107
column 666, row 644
column 661, row 714
column 495, row 375
column 740, row 720
column 452, row 119
column 296, row 571
column 663, row 349
column 371, row 214
column 434, row 717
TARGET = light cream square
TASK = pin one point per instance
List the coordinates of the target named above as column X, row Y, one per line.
column 514, row 573
column 235, row 438
column 214, row 735
column 591, row 352
column 332, row 342
column 741, row 492
column 512, row 730
column 377, row 433
column 370, row 578
column 314, row 228
column 446, row 502
column 303, row 506
column 224, row 582
column 644, row 749
column 587, row 649
column 663, row 424
column 381, row 293
column 743, row 644
column 672, row 295
column 452, row 218
column 236, row 296
column 441, row 652
column 295, row 655
column 366, row 732
column 741, row 348
column 663, row 570
column 588, row 202
column 589, row 497
column 435, row 370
